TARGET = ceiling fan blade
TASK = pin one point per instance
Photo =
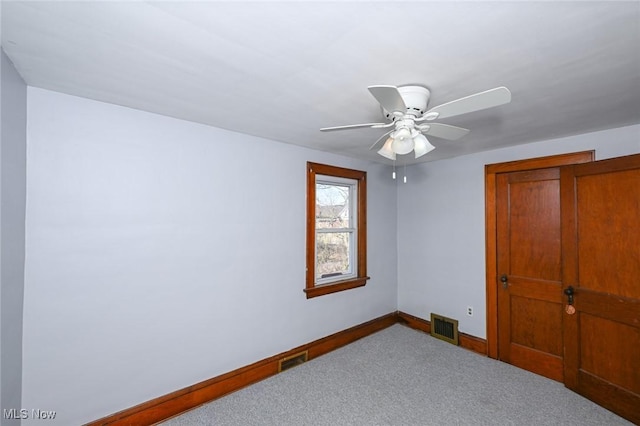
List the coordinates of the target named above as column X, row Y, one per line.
column 353, row 126
column 444, row 131
column 389, row 98
column 382, row 138
column 483, row 100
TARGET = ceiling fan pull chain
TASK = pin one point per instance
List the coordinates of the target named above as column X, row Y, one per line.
column 393, row 175
column 405, row 173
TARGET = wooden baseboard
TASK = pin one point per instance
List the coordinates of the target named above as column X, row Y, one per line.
column 467, row 341
column 177, row 402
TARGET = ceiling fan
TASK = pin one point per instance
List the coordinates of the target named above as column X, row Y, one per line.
column 406, row 108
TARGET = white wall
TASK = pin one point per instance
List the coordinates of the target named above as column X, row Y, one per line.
column 441, row 225
column 161, row 253
column 13, row 127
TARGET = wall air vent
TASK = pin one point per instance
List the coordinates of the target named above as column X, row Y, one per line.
column 444, row 328
column 292, row 360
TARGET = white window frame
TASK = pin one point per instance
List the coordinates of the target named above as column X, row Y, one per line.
column 352, row 201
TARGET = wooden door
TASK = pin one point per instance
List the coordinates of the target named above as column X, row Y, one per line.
column 529, row 269
column 601, row 262
column 494, row 285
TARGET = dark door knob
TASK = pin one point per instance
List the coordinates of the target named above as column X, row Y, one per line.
column 569, row 292
column 504, row 280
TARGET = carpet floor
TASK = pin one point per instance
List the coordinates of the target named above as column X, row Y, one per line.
column 400, row 376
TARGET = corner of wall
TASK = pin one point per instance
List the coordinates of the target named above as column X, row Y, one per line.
column 13, row 122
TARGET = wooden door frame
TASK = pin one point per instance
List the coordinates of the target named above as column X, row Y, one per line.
column 490, row 172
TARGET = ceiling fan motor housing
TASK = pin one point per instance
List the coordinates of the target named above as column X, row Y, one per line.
column 416, row 98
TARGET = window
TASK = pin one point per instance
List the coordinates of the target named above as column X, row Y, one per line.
column 336, row 229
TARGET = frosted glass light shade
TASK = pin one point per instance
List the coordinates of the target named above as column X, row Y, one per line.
column 422, row 145
column 402, row 141
column 386, row 150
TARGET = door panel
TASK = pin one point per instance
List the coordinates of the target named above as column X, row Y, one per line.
column 534, row 215
column 606, row 219
column 600, row 340
column 601, row 260
column 529, row 255
column 537, row 315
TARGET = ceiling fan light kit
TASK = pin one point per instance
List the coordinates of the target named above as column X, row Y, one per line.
column 387, row 151
column 421, row 145
column 405, row 106
column 402, row 141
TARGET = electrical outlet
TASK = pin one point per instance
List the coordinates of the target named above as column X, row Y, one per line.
column 470, row 311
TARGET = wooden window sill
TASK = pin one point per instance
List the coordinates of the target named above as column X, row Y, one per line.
column 335, row 287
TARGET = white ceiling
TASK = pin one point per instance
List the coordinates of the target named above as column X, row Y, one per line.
column 282, row 70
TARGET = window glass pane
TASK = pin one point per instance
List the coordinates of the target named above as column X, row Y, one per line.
column 333, row 254
column 332, row 206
